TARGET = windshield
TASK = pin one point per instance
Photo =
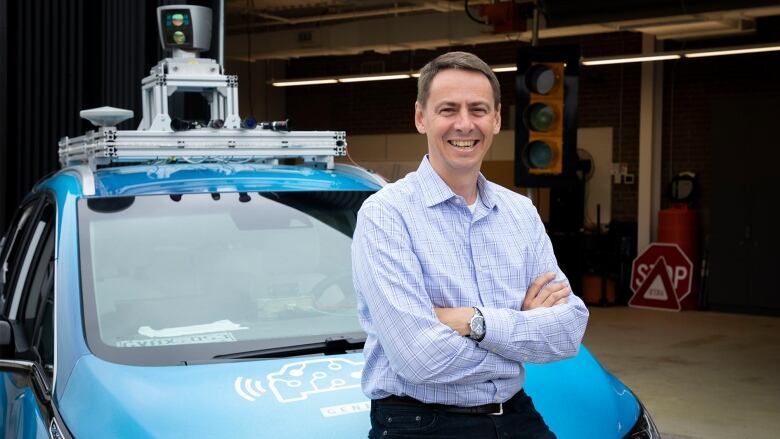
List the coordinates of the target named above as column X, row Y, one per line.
column 176, row 278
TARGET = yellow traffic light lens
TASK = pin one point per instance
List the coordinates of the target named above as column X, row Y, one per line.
column 540, row 79
column 538, row 154
column 539, row 117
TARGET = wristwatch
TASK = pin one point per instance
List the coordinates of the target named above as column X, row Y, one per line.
column 477, row 325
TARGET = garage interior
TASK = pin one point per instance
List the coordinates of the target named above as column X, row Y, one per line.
column 644, row 128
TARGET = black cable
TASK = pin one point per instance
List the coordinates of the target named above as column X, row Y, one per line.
column 468, row 12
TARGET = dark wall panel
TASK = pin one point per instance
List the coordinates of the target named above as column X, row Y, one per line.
column 3, row 105
column 62, row 56
column 41, row 92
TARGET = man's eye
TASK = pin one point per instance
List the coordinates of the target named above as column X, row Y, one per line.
column 480, row 111
column 447, row 110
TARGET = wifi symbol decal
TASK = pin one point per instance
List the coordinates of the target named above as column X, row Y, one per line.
column 248, row 388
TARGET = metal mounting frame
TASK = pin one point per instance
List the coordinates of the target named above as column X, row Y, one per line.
column 173, row 75
column 108, row 145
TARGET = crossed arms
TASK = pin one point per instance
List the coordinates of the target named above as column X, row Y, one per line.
column 425, row 344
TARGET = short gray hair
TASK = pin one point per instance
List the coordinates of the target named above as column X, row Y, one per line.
column 455, row 60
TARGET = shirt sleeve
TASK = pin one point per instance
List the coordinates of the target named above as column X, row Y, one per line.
column 389, row 280
column 539, row 335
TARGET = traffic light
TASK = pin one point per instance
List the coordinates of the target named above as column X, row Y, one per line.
column 546, row 116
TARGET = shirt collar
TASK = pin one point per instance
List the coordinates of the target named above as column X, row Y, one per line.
column 435, row 190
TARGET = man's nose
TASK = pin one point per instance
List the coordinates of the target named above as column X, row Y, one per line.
column 464, row 121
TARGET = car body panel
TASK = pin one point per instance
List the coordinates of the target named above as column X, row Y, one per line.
column 578, row 398
column 21, row 415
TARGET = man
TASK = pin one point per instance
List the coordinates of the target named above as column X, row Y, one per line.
column 457, row 282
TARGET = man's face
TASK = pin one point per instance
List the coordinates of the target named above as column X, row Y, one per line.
column 459, row 120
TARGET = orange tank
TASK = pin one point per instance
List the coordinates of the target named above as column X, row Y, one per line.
column 679, row 225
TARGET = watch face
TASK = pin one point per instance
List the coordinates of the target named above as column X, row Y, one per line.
column 477, row 325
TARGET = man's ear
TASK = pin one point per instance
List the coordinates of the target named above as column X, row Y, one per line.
column 497, row 122
column 419, row 120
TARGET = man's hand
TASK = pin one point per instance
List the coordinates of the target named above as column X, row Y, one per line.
column 542, row 293
column 456, row 318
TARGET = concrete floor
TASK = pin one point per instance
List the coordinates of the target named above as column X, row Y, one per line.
column 702, row 375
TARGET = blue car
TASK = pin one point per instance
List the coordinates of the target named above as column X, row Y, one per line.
column 197, row 283
column 213, row 300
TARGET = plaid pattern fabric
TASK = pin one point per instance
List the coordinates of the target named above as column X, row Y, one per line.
column 417, row 246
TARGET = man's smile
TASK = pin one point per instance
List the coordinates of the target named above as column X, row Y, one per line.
column 463, row 144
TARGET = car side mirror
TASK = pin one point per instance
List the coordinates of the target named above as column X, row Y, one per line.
column 6, row 335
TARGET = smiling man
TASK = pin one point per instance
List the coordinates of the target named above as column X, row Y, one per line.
column 457, row 282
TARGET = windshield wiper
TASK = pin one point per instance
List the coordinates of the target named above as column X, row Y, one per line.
column 327, row 347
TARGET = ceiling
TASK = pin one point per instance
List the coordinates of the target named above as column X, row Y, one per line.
column 283, row 29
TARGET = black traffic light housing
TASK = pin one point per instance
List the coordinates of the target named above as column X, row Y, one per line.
column 546, row 116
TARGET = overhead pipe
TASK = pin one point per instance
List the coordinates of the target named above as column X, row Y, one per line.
column 354, row 14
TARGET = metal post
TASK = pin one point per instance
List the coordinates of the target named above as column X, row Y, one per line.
column 221, row 36
column 535, row 29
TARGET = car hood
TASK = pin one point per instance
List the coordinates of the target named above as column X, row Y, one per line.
column 289, row 397
column 299, row 397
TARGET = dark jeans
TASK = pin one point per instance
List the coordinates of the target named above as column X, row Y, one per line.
column 519, row 421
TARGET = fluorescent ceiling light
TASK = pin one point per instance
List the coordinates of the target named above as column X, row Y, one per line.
column 586, row 62
column 303, row 82
column 374, row 78
column 628, row 59
column 736, row 51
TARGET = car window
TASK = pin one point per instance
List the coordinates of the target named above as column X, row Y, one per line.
column 188, row 277
column 43, row 335
column 41, row 283
column 11, row 250
column 20, row 279
column 31, row 279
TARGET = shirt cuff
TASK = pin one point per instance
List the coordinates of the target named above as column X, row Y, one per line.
column 498, row 328
column 505, row 328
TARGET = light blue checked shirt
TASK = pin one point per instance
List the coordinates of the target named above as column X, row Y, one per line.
column 417, row 246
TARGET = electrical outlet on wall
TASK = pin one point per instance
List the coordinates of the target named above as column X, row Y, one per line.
column 615, row 172
column 620, row 174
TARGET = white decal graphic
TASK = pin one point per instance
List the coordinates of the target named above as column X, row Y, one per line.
column 218, row 326
column 218, row 337
column 345, row 409
column 296, row 381
column 249, row 389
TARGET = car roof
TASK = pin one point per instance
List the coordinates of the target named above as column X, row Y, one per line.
column 221, row 177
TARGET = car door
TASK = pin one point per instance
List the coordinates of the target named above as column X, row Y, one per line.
column 27, row 324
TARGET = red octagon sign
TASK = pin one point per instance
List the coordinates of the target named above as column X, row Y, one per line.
column 678, row 273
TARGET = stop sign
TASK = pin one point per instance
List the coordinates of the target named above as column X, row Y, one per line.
column 678, row 269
